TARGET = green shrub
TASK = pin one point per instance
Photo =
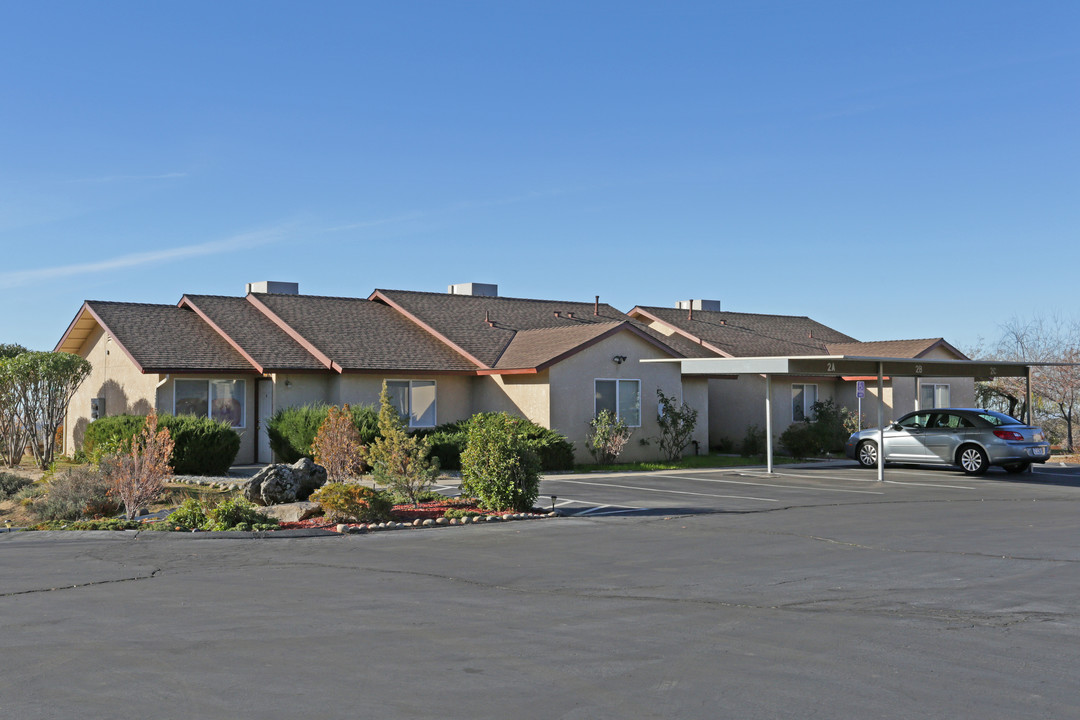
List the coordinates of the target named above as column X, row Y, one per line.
column 421, row 497
column 11, row 484
column 191, row 515
column 551, row 447
column 105, row 524
column 202, row 446
column 236, row 511
column 351, row 502
column 28, row 494
column 292, row 430
column 830, row 425
column 458, row 513
column 753, row 443
column 800, row 441
column 607, row 436
column 498, row 467
column 75, row 494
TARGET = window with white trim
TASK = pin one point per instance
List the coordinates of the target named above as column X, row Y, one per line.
column 620, row 397
column 414, row 400
column 933, row 395
column 222, row 400
column 803, row 397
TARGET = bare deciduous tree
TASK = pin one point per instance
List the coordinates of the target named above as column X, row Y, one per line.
column 139, row 477
column 338, row 447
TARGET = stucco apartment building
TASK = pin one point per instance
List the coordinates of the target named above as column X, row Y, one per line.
column 444, row 357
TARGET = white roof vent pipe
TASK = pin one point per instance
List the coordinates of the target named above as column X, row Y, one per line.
column 477, row 289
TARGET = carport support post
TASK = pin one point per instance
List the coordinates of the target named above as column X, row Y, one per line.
column 881, row 421
column 768, row 423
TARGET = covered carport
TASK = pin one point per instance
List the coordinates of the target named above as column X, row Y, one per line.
column 846, row 366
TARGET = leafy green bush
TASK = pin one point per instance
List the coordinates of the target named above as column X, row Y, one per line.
column 202, row 446
column 458, row 513
column 10, row 484
column 677, row 423
column 830, row 425
column 292, row 430
column 753, row 443
column 800, row 440
column 498, row 467
column 191, row 515
column 551, row 447
column 231, row 513
column 351, row 502
column 75, row 494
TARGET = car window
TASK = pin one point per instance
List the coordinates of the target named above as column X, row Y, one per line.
column 996, row 418
column 918, row 420
column 947, row 420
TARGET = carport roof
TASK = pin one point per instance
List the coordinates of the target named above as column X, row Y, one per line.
column 848, row 365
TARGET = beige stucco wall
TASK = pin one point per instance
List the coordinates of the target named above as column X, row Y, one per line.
column 453, row 398
column 736, row 404
column 164, row 402
column 573, row 392
column 296, row 389
column 525, row 395
column 696, row 395
column 113, row 376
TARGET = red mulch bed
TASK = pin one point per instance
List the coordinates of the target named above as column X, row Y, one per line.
column 400, row 513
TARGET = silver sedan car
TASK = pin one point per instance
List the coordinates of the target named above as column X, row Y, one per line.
column 973, row 439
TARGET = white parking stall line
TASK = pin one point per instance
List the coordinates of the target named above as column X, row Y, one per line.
column 663, row 490
column 784, row 487
column 616, row 512
column 933, row 485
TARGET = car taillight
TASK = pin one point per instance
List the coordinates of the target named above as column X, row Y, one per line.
column 1008, row 435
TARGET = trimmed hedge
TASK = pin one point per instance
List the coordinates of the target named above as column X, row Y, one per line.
column 292, row 430
column 201, row 446
column 448, row 441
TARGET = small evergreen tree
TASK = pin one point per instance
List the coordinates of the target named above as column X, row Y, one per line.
column 401, row 462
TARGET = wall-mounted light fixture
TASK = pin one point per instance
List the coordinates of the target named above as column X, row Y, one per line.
column 288, row 383
column 619, row 359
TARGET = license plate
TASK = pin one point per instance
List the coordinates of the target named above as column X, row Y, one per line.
column 1038, row 451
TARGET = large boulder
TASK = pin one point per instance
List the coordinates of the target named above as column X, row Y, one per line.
column 280, row 483
column 293, row 512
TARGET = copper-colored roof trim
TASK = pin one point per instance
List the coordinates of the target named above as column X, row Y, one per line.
column 679, row 331
column 86, row 308
column 291, row 332
column 186, row 302
column 376, row 295
column 507, row 371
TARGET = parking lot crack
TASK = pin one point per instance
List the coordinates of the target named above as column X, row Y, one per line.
column 78, row 586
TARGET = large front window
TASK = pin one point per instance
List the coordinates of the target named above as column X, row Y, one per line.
column 803, row 398
column 620, row 397
column 933, row 396
column 414, row 400
column 221, row 400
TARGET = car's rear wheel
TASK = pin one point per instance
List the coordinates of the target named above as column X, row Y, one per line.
column 1017, row 467
column 973, row 460
column 867, row 454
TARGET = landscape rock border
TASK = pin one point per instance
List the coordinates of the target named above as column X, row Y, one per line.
column 360, row 528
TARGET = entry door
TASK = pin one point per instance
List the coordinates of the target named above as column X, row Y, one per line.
column 265, row 390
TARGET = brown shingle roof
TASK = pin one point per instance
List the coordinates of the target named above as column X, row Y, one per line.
column 749, row 334
column 891, row 348
column 501, row 332
column 357, row 334
column 167, row 338
column 257, row 336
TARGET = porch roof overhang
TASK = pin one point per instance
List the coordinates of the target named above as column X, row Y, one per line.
column 848, row 365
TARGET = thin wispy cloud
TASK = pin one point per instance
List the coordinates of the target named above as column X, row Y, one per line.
column 244, row 241
column 130, row 178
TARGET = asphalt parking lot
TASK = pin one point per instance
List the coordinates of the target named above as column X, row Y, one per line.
column 812, row 592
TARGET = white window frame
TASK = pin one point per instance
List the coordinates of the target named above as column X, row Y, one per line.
column 210, row 397
column 808, row 415
column 428, row 382
column 935, row 387
column 617, row 381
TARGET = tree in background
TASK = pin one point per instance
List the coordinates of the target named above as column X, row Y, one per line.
column 44, row 385
column 1055, row 389
column 14, row 434
column 401, row 462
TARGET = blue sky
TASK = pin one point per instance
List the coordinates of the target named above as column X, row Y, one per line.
column 894, row 170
